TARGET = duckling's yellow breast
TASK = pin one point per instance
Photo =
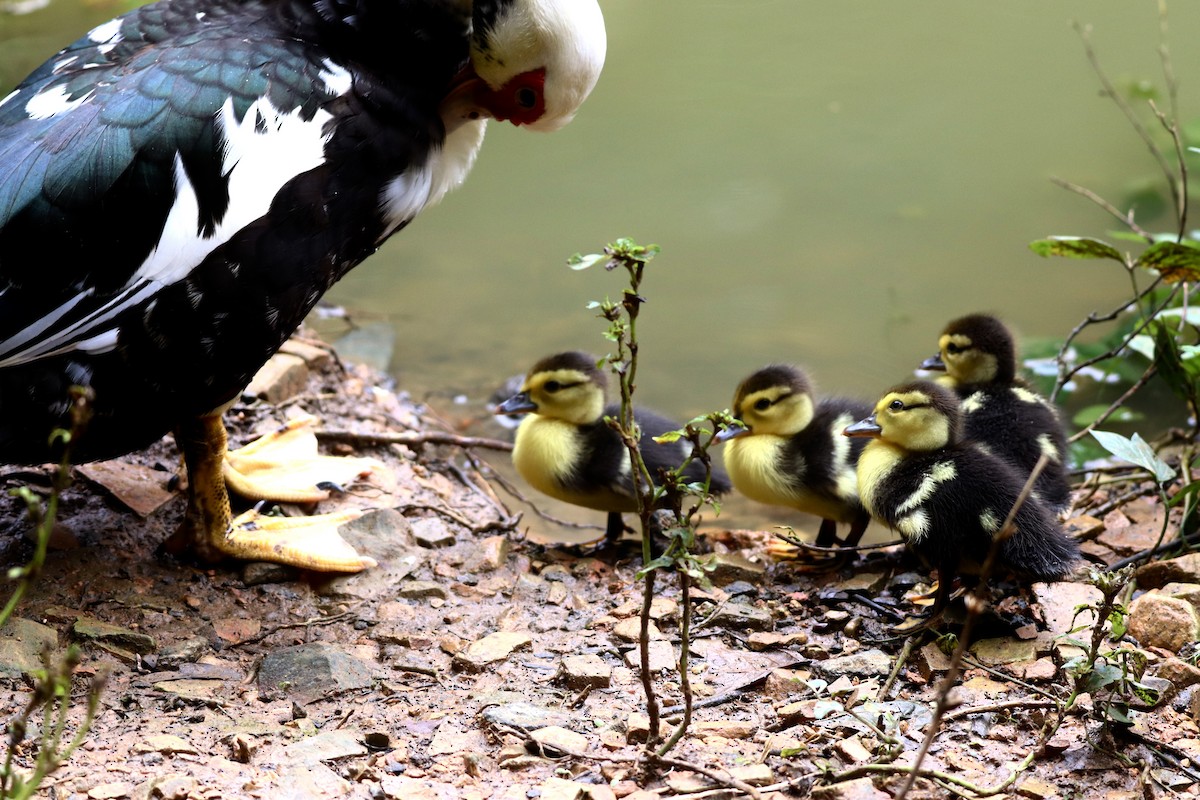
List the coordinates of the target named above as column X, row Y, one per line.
column 876, row 463
column 549, row 453
column 753, row 464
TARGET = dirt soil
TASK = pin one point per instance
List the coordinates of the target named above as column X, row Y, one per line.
column 475, row 663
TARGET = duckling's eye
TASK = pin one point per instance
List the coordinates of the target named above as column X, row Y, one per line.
column 551, row 386
column 954, row 349
column 762, row 405
column 896, row 405
column 526, row 97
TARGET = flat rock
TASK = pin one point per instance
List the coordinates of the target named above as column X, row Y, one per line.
column 730, row 567
column 930, row 660
column 313, row 670
column 561, row 739
column 857, row 789
column 21, row 644
column 386, row 536
column 283, row 377
column 341, row 743
column 661, row 654
column 1156, row 574
column 867, row 663
column 140, row 489
column 586, row 670
column 740, row 616
column 1180, row 673
column 490, row 554
column 90, row 629
column 1004, row 650
column 766, row 640
column 1158, row 620
column 491, row 648
column 522, row 714
column 432, row 532
column 418, row 590
column 1059, row 601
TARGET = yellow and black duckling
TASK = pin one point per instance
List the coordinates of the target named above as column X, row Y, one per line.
column 789, row 450
column 565, row 449
column 1001, row 412
column 947, row 497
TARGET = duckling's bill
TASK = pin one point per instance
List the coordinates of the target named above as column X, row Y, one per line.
column 864, row 428
column 517, row 404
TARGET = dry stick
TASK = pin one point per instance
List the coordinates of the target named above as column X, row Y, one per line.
column 1116, row 405
column 1127, row 110
column 973, row 610
column 1124, row 218
column 509, row 487
column 414, row 439
column 724, row 780
column 958, row 713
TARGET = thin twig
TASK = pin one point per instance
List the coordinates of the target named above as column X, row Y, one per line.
column 1003, row 705
column 414, row 439
column 1116, row 405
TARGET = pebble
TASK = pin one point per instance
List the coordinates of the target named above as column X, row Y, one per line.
column 739, row 616
column 1003, row 650
column 857, row 789
column 432, row 532
column 313, row 670
column 730, row 567
column 418, row 590
column 491, row 648
column 661, row 653
column 585, row 670
column 1158, row 620
column 1185, row 569
column 21, row 644
column 864, row 664
column 522, row 714
column 561, row 739
column 93, row 630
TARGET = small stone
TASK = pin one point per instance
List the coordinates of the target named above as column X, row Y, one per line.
column 1180, row 673
column 110, row 791
column 930, row 660
column 418, row 590
column 857, row 789
column 492, row 553
column 867, row 582
column 164, row 743
column 21, row 644
column 1185, row 569
column 753, row 774
column 140, row 489
column 491, row 648
column 730, row 567
column 739, row 616
column 853, row 750
column 260, row 573
column 313, row 670
column 1003, row 650
column 317, row 358
column 586, row 670
column 766, row 640
column 781, row 683
column 1037, row 788
column 522, row 714
column 1184, row 591
column 725, row 728
column 1083, row 527
column 637, row 727
column 630, row 630
column 661, row 653
column 326, row 745
column 432, row 532
column 281, row 378
column 1157, row 620
column 92, row 629
column 561, row 739
column 1059, row 601
column 1043, row 669
column 867, row 663
column 560, row 789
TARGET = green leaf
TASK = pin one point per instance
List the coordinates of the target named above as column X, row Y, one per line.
column 669, row 437
column 1102, row 675
column 1075, row 247
column 1142, row 345
column 1118, row 713
column 1175, row 262
column 1089, row 414
column 1135, row 451
column 1147, row 694
column 1184, row 493
column 1118, row 622
column 1170, row 364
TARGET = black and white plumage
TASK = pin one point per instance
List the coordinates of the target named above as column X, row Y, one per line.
column 790, row 451
column 1000, row 411
column 566, row 450
column 946, row 496
column 180, row 186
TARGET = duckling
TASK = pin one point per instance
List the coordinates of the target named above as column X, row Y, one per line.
column 1002, row 413
column 565, row 449
column 947, row 496
column 789, row 450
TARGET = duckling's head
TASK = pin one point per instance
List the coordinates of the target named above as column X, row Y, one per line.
column 919, row 416
column 775, row 400
column 977, row 348
column 566, row 386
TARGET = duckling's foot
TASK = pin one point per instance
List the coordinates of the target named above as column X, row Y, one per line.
column 209, row 532
column 944, row 592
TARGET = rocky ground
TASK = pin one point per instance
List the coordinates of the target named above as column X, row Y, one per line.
column 476, row 663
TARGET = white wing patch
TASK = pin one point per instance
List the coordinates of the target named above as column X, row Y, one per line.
column 108, row 33
column 405, row 195
column 52, row 101
column 337, row 79
column 260, row 154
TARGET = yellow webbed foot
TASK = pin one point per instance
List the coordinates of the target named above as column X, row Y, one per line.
column 210, row 532
column 308, row 542
column 285, row 466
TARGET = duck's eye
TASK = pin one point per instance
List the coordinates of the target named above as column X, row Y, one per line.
column 526, row 97
column 954, row 349
column 762, row 405
column 552, row 386
column 896, row 405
